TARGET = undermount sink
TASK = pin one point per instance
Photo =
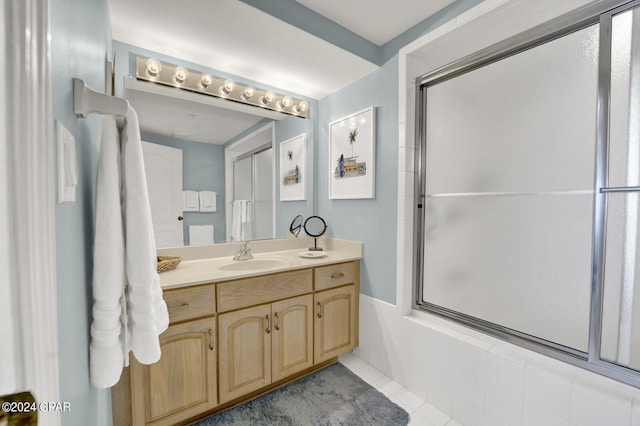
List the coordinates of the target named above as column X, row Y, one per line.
column 252, row 264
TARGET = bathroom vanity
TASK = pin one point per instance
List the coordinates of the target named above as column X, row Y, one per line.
column 241, row 328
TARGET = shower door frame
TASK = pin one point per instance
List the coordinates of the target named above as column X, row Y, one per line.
column 600, row 13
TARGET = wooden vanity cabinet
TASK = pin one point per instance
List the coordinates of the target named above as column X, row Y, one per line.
column 183, row 383
column 336, row 310
column 263, row 344
column 234, row 339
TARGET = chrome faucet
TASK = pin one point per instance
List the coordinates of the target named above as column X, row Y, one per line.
column 244, row 253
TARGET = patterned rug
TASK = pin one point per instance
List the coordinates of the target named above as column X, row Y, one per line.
column 332, row 396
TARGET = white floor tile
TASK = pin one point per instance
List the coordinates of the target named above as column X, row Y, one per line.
column 407, row 400
column 381, row 382
column 369, row 374
column 352, row 362
column 391, row 389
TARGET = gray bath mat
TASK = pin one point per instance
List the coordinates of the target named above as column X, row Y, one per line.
column 332, row 396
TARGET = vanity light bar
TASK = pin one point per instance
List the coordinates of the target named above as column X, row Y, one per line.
column 154, row 71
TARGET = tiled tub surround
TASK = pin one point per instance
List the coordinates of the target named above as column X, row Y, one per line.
column 472, row 377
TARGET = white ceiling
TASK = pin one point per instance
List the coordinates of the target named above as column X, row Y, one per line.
column 234, row 37
column 378, row 21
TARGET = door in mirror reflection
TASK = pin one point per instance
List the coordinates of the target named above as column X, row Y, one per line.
column 163, row 168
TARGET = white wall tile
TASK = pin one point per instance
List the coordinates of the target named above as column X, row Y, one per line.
column 470, row 355
column 466, row 413
column 444, row 341
column 503, row 405
column 635, row 413
column 417, row 381
column 506, row 371
column 432, row 414
column 439, row 384
column 592, row 408
column 535, row 416
column 468, row 387
column 546, row 390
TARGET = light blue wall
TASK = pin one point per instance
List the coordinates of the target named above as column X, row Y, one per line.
column 286, row 210
column 202, row 170
column 372, row 221
column 80, row 44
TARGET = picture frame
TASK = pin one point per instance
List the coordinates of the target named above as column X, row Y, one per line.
column 293, row 169
column 352, row 155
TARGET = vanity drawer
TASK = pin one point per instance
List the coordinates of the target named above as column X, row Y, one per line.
column 263, row 289
column 190, row 302
column 335, row 275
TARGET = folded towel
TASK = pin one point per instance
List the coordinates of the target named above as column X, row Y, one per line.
column 207, row 201
column 190, row 201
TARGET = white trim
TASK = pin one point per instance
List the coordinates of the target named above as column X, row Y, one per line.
column 31, row 200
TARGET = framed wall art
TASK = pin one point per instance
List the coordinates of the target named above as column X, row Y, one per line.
column 352, row 156
column 293, row 168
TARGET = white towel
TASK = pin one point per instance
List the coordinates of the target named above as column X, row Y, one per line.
column 190, row 201
column 107, row 336
column 148, row 315
column 207, row 201
column 241, row 220
column 128, row 312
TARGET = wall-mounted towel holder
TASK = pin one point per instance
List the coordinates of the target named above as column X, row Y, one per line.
column 87, row 101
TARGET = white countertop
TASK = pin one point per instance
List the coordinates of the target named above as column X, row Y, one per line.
column 223, row 268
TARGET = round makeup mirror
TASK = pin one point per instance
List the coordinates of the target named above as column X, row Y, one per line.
column 315, row 227
column 296, row 226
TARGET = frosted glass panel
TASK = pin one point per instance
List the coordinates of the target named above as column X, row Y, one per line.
column 525, row 123
column 242, row 179
column 522, row 262
column 510, row 154
column 621, row 293
column 263, row 194
column 624, row 127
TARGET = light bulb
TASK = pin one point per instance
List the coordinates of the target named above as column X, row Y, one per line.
column 180, row 75
column 206, row 80
column 287, row 101
column 268, row 98
column 248, row 93
column 301, row 107
column 153, row 67
column 228, row 86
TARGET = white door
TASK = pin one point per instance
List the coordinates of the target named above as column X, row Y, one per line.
column 163, row 166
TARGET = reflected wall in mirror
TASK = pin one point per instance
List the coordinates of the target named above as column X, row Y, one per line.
column 212, row 135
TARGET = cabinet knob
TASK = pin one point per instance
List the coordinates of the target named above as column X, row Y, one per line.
column 337, row 275
column 319, row 310
column 180, row 218
column 268, row 330
column 210, row 339
column 277, row 327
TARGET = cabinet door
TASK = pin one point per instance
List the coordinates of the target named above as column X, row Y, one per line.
column 182, row 383
column 245, row 351
column 292, row 341
column 335, row 322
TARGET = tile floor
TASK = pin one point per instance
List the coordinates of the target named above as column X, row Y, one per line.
column 421, row 413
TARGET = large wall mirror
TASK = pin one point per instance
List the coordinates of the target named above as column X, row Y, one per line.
column 212, row 165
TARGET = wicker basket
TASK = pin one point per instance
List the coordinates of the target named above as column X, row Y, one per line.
column 167, row 263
